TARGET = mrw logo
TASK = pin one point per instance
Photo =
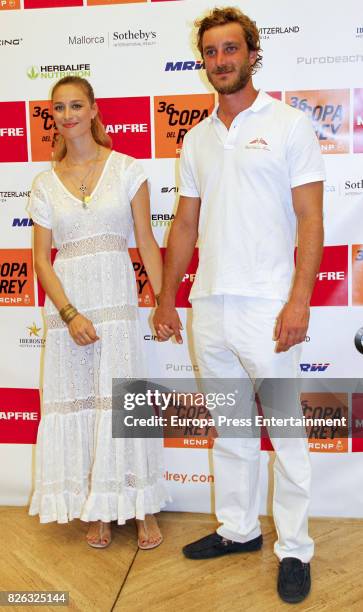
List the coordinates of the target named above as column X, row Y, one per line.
column 33, row 72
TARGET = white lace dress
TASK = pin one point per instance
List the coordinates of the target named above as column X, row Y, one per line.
column 81, row 471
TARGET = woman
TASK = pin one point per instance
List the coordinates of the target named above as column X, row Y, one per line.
column 88, row 204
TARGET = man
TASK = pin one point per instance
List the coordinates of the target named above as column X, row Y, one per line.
column 251, row 174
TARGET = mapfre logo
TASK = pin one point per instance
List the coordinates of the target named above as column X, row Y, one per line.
column 127, row 121
column 43, row 131
column 19, row 416
column 13, row 140
column 331, row 287
column 8, row 5
column 329, row 112
column 358, row 121
column 174, row 116
column 357, row 274
column 35, row 4
column 16, row 277
column 357, row 422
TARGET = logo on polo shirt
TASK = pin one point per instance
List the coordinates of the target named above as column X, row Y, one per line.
column 258, row 143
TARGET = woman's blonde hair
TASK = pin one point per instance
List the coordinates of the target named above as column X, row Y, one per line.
column 97, row 127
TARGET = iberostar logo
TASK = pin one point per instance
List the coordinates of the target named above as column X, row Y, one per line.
column 34, row 330
column 33, row 72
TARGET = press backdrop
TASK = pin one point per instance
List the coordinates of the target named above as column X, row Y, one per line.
column 151, row 88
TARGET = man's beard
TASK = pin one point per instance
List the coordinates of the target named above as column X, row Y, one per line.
column 241, row 80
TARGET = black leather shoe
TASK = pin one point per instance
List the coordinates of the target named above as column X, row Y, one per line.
column 214, row 545
column 294, row 580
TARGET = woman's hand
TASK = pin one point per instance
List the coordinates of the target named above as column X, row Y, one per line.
column 82, row 331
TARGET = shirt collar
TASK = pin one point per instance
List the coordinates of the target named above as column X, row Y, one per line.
column 262, row 100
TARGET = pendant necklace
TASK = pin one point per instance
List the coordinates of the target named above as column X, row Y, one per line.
column 83, row 187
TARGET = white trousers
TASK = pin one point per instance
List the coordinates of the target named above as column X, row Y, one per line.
column 233, row 339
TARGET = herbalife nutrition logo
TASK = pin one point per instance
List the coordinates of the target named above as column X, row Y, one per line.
column 33, row 72
column 59, row 71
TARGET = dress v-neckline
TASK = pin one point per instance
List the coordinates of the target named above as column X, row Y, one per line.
column 95, row 187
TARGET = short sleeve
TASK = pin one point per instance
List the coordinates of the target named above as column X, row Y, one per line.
column 39, row 207
column 135, row 177
column 304, row 158
column 188, row 186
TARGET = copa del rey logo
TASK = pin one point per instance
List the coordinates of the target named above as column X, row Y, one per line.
column 258, row 143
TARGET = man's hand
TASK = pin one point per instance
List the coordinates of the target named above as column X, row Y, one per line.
column 167, row 323
column 291, row 326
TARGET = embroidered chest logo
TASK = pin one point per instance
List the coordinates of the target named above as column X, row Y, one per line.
column 258, row 143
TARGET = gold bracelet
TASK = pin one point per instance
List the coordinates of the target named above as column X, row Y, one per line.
column 70, row 315
column 67, row 313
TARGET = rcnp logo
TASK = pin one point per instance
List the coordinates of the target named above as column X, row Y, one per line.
column 35, row 4
column 331, row 287
column 174, row 116
column 13, row 140
column 329, row 112
column 43, row 131
column 191, row 428
column 19, row 416
column 323, row 437
column 127, row 121
column 357, row 274
column 358, row 121
column 182, row 66
column 314, row 367
column 8, row 5
column 16, row 277
column 328, row 432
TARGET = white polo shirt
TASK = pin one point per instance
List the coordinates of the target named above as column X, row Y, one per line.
column 244, row 176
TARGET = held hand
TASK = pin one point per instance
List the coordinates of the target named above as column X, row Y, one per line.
column 82, row 331
column 291, row 326
column 167, row 323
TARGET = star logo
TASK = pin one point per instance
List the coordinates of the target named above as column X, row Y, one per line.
column 34, row 330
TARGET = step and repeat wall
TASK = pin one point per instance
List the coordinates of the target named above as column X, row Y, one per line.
column 151, row 88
